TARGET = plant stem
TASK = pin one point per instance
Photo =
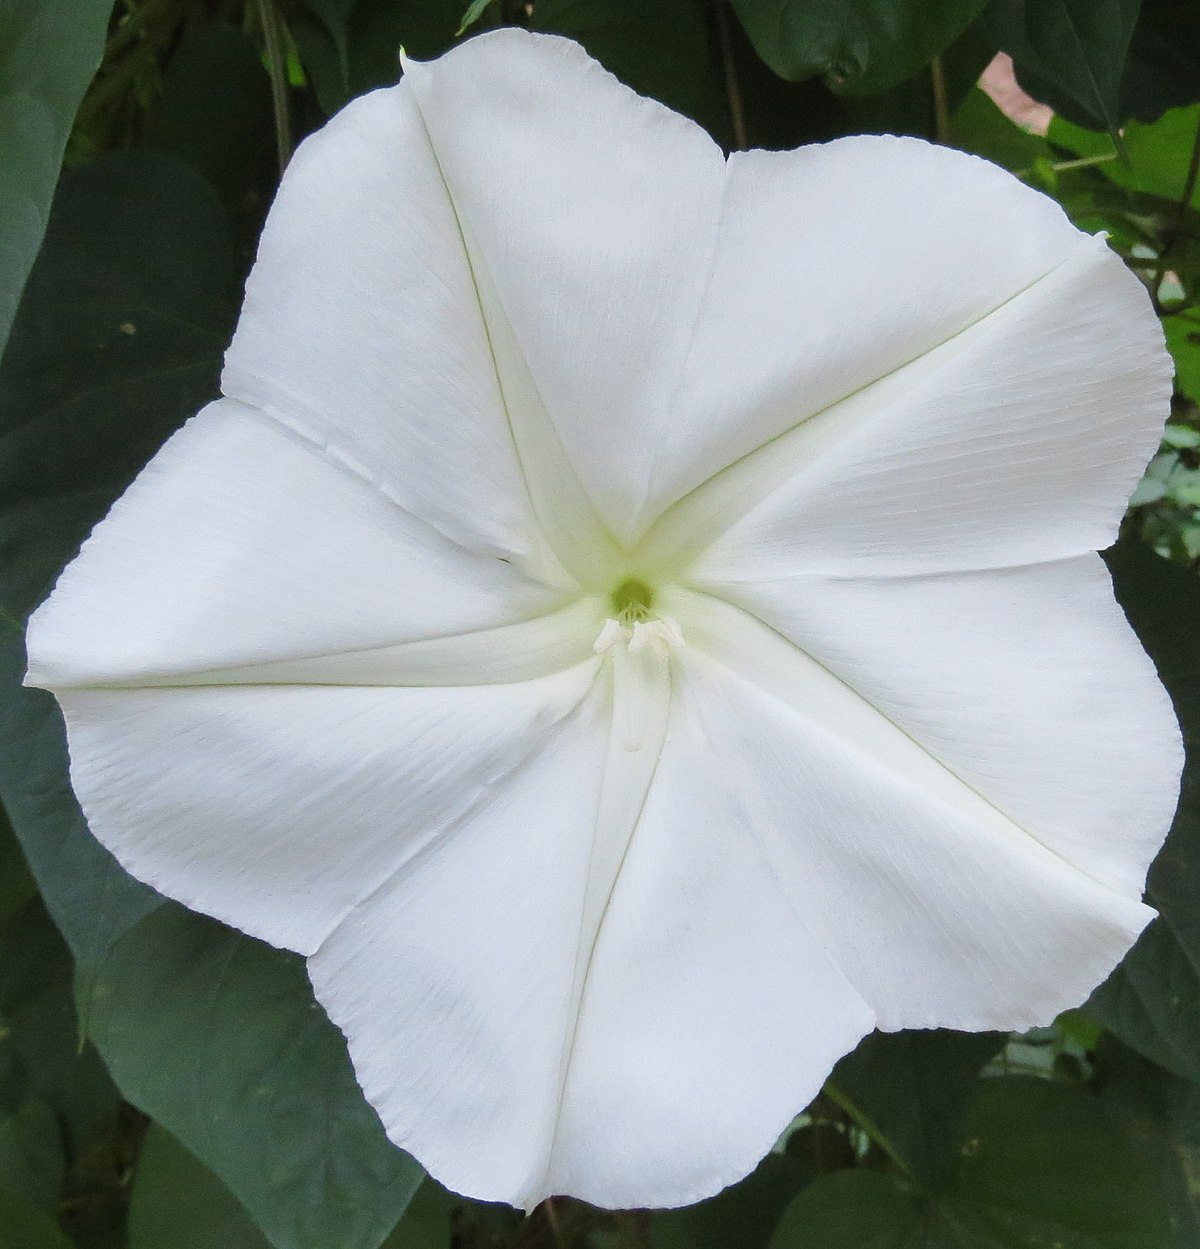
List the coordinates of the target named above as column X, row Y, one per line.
column 554, row 1224
column 941, row 103
column 733, row 94
column 277, row 69
column 865, row 1124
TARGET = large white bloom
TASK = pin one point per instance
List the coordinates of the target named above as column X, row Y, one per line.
column 633, row 621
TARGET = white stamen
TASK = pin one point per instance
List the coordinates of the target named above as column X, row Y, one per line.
column 639, row 656
column 612, row 634
column 659, row 635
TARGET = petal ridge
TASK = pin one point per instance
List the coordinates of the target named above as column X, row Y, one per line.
column 540, row 646
column 694, row 522
column 558, row 498
column 212, row 759
column 736, row 636
column 590, row 234
column 937, row 919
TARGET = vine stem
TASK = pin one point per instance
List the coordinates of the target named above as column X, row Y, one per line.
column 733, row 93
column 941, row 101
column 554, row 1224
column 277, row 68
column 865, row 1124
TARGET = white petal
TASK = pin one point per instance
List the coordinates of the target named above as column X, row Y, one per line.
column 712, row 1013
column 592, row 212
column 1017, row 441
column 940, row 909
column 836, row 264
column 454, row 982
column 1028, row 684
column 278, row 809
column 362, row 329
column 240, row 545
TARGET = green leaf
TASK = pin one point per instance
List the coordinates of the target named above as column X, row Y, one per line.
column 913, row 1089
column 850, row 1210
column 1152, row 1000
column 1163, row 67
column 1157, row 154
column 215, row 113
column 49, row 50
column 32, row 1165
column 979, row 126
column 1183, row 338
column 16, row 883
column 23, row 1226
column 660, row 48
column 218, row 1038
column 352, row 46
column 1040, row 1164
column 474, row 12
column 743, row 1215
column 1160, row 1112
column 118, row 341
column 426, row 1222
column 1069, row 54
column 860, row 46
column 40, row 1048
column 179, row 1204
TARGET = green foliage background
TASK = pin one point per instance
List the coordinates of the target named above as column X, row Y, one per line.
column 166, row 1083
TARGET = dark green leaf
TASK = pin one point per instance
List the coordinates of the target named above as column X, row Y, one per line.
column 23, row 1226
column 41, row 1049
column 743, row 1215
column 16, row 883
column 215, row 113
column 1069, row 53
column 1040, row 1165
column 858, row 45
column 853, row 1210
column 1162, row 70
column 32, row 1164
column 426, row 1222
column 179, row 1204
column 658, row 47
column 913, row 1088
column 1152, row 1000
column 352, row 46
column 49, row 50
column 119, row 339
column 1160, row 1112
column 218, row 1037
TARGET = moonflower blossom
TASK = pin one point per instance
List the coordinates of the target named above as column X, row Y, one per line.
column 633, row 621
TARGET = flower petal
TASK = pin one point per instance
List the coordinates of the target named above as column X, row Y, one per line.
column 1023, row 682
column 1018, row 440
column 242, row 545
column 278, row 809
column 939, row 908
column 836, row 264
column 454, row 982
column 712, row 1013
column 590, row 211
column 362, row 329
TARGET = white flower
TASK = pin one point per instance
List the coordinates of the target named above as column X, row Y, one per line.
column 633, row 621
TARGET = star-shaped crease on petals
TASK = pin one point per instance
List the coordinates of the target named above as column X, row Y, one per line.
column 633, row 621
